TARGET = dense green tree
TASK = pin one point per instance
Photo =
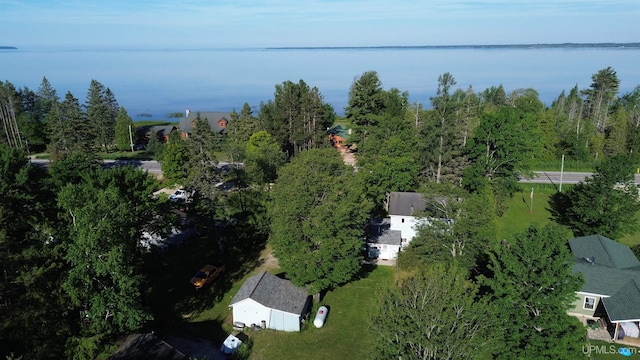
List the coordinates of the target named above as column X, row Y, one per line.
column 435, row 314
column 263, row 158
column 9, row 109
column 104, row 282
column 33, row 319
column 242, row 125
column 67, row 128
column 316, row 230
column 298, row 117
column 458, row 227
column 156, row 147
column 202, row 171
column 503, row 145
column 630, row 102
column 493, row 98
column 123, row 130
column 601, row 96
column 174, row 163
column 70, row 169
column 97, row 113
column 388, row 173
column 605, row 203
column 531, row 290
column 366, row 102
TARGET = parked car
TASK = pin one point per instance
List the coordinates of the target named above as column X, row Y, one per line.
column 206, row 275
column 179, row 196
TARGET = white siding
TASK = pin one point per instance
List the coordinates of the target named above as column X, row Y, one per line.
column 284, row 321
column 406, row 225
column 250, row 312
column 385, row 251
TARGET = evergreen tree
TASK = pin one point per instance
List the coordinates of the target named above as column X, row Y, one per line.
column 101, row 114
column 67, row 128
column 297, row 117
column 366, row 102
column 604, row 204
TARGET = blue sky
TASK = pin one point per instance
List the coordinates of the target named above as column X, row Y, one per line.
column 262, row 23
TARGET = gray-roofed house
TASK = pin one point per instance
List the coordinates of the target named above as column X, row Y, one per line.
column 267, row 300
column 403, row 208
column 382, row 242
column 216, row 119
column 161, row 131
column 611, row 289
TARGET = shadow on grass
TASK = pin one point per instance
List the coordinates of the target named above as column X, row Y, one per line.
column 174, row 301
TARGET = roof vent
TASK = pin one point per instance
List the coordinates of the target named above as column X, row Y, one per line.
column 591, row 260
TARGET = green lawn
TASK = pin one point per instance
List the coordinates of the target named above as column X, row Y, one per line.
column 519, row 216
column 344, row 336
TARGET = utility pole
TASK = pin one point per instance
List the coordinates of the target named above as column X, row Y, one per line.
column 561, row 172
column 130, row 138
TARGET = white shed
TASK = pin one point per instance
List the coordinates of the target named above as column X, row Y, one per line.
column 272, row 301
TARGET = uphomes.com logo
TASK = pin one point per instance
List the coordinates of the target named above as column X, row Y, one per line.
column 608, row 350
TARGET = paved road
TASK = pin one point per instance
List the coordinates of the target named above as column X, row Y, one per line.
column 540, row 177
column 553, row 177
column 151, row 166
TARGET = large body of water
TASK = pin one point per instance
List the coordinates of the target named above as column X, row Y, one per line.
column 163, row 81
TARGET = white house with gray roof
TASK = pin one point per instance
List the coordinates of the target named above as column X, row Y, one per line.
column 382, row 242
column 267, row 299
column 611, row 288
column 402, row 208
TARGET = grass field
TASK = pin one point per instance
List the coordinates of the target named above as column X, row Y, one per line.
column 519, row 216
column 345, row 335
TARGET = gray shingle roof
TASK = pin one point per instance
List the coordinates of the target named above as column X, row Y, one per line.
column 273, row 292
column 604, row 251
column 211, row 116
column 623, row 305
column 610, row 269
column 406, row 203
column 380, row 232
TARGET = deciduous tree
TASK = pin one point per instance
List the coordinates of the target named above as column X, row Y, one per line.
column 531, row 289
column 318, row 216
column 123, row 130
column 435, row 314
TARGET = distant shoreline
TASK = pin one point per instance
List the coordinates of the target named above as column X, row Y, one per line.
column 8, row 48
column 504, row 46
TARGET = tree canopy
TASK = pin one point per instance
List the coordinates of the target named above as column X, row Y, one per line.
column 531, row 288
column 435, row 314
column 318, row 216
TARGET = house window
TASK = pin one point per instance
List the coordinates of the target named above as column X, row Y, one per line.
column 589, row 303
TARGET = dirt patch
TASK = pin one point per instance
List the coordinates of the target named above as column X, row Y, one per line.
column 348, row 157
column 267, row 261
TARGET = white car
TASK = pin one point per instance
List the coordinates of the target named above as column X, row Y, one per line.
column 179, row 196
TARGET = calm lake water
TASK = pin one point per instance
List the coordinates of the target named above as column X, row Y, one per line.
column 159, row 82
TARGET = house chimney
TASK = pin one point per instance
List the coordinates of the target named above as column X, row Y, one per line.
column 187, row 113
